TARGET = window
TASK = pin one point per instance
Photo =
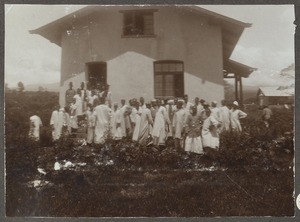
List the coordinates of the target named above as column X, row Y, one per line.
column 168, row 79
column 138, row 23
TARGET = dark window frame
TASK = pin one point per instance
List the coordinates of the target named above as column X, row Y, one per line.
column 134, row 14
column 174, row 68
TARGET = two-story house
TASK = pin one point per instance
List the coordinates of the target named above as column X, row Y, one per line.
column 149, row 51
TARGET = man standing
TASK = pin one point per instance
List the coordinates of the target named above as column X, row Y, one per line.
column 106, row 94
column 178, row 124
column 225, row 115
column 266, row 115
column 35, row 124
column 142, row 103
column 116, row 123
column 159, row 126
column 57, row 122
column 103, row 115
column 215, row 111
column 198, row 106
column 70, row 93
column 235, row 116
column 146, row 123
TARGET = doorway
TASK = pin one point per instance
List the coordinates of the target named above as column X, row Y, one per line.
column 96, row 74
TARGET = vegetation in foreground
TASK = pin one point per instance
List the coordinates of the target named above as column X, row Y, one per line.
column 122, row 179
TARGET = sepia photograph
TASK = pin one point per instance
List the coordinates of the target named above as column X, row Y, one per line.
column 138, row 111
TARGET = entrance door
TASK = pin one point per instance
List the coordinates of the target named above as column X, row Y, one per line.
column 96, row 74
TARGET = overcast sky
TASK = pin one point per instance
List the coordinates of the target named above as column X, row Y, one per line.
column 268, row 45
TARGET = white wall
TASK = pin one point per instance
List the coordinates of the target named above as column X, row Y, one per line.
column 198, row 87
column 131, row 75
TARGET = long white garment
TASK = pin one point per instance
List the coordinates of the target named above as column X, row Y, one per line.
column 179, row 120
column 235, row 116
column 103, row 115
column 169, row 110
column 159, row 127
column 123, row 125
column 136, row 119
column 35, row 124
column 225, row 115
column 116, row 120
column 216, row 113
column 193, row 145
column 146, row 122
column 91, row 122
column 77, row 106
column 210, row 135
column 199, row 109
column 57, row 120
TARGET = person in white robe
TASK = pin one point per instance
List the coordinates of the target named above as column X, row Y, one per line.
column 77, row 105
column 159, row 127
column 210, row 132
column 225, row 115
column 92, row 96
column 123, row 117
column 169, row 109
column 135, row 118
column 67, row 124
column 146, row 123
column 106, row 94
column 179, row 120
column 142, row 103
column 83, row 95
column 102, row 127
column 199, row 106
column 187, row 105
column 193, row 142
column 116, row 123
column 56, row 122
column 235, row 116
column 216, row 112
column 35, row 125
column 91, row 122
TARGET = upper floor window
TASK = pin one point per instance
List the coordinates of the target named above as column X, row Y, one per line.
column 138, row 23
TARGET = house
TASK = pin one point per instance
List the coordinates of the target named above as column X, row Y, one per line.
column 149, row 51
column 276, row 95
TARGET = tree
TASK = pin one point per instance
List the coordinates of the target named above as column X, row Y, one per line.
column 41, row 89
column 21, row 86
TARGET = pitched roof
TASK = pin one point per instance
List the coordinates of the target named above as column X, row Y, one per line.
column 277, row 91
column 231, row 66
column 231, row 28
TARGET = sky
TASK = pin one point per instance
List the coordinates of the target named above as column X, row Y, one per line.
column 268, row 45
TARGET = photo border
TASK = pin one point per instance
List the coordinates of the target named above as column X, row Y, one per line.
column 198, row 2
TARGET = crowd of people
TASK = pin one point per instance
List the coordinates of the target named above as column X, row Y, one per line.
column 194, row 126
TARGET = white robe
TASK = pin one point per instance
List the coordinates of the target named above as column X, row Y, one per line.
column 179, row 120
column 123, row 124
column 103, row 115
column 235, row 116
column 210, row 135
column 146, row 122
column 77, row 106
column 35, row 124
column 216, row 113
column 57, row 120
column 91, row 121
column 159, row 127
column 225, row 115
column 135, row 117
column 116, row 119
